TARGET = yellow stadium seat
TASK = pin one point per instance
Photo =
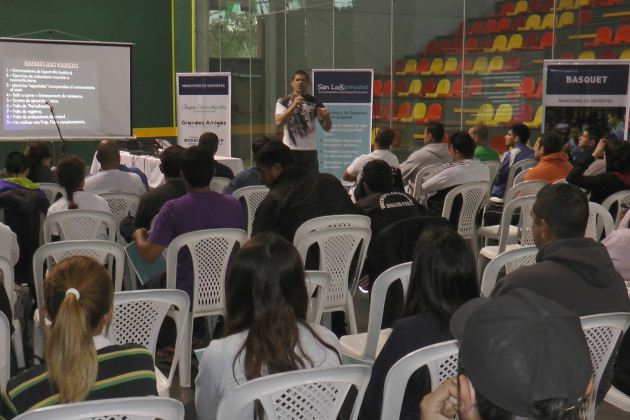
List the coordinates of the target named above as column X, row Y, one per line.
column 443, row 87
column 503, row 114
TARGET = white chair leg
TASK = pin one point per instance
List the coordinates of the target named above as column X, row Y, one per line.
column 18, row 344
column 352, row 321
column 184, row 357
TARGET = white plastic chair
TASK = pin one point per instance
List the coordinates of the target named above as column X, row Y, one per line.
column 122, row 204
column 306, row 394
column 317, row 281
column 218, row 184
column 5, row 352
column 524, row 189
column 53, row 253
column 52, row 190
column 493, row 166
column 210, row 251
column 441, row 360
column 511, row 260
column 130, row 408
column 520, row 177
column 516, row 168
column 252, row 196
column 337, row 248
column 422, row 172
column 80, row 224
column 6, row 268
column 620, row 198
column 138, row 316
column 522, row 237
column 599, row 220
column 364, row 347
column 618, row 399
column 330, row 222
column 473, row 194
column 602, row 332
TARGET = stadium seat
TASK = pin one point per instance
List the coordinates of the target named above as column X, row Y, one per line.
column 537, row 121
column 506, row 9
column 457, row 46
column 523, row 113
column 517, row 22
column 444, row 46
column 389, row 111
column 465, row 65
column 585, row 18
column 459, row 31
column 495, row 65
column 622, row 36
column 449, row 65
column 434, row 113
column 531, row 40
column 520, row 7
column 409, row 66
column 414, row 87
column 399, row 66
column 436, row 67
column 535, row 6
column 482, row 115
column 587, row 55
column 515, row 42
column 532, row 22
column 537, row 93
column 443, row 87
column 490, row 26
column 377, row 111
column 484, row 43
column 546, row 41
column 625, row 55
column 430, row 49
column 404, row 111
column 479, row 67
column 603, row 36
column 547, row 22
column 498, row 143
column 503, row 114
column 474, row 88
column 503, row 25
column 419, row 111
column 476, row 28
column 377, row 87
column 455, row 91
column 499, row 44
column 565, row 19
column 387, row 88
column 512, row 63
column 401, row 86
column 607, row 55
column 423, row 65
column 526, row 86
column 427, row 87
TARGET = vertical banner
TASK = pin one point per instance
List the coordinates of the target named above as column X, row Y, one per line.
column 348, row 96
column 204, row 104
column 587, row 93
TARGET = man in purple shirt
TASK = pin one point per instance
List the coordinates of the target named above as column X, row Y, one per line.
column 199, row 209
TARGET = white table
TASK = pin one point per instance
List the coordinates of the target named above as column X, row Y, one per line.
column 150, row 165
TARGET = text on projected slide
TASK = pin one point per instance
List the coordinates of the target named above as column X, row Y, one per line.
column 71, row 88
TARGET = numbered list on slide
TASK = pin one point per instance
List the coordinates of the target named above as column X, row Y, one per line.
column 70, row 87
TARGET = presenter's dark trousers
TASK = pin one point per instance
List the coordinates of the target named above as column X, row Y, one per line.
column 306, row 158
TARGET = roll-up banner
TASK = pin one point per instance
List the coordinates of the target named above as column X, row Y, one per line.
column 203, row 104
column 348, row 96
column 586, row 93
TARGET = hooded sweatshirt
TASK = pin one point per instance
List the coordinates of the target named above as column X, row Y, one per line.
column 429, row 154
column 601, row 186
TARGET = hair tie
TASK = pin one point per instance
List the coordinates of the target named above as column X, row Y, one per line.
column 73, row 291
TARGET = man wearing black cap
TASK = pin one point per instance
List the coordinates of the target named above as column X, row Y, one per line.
column 521, row 355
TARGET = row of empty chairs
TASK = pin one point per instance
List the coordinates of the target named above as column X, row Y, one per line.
column 452, row 67
column 604, row 36
column 428, row 88
column 606, row 54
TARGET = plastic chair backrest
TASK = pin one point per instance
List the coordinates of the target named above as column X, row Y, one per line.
column 493, row 166
column 138, row 317
column 523, row 189
column 122, row 204
column 252, row 196
column 506, row 8
column 132, row 408
column 480, row 66
column 524, row 112
column 535, row 6
column 622, row 36
column 607, row 55
column 484, row 114
column 587, row 55
column 401, row 86
column 510, row 260
column 565, row 19
column 434, row 112
column 313, row 393
column 535, row 123
column 389, row 111
column 219, row 183
column 491, row 26
column 444, row 46
column 5, row 350
column 524, row 234
column 503, row 25
column 602, row 36
column 512, row 63
column 422, row 172
column 377, row 87
column 547, row 21
column 602, row 332
column 404, row 111
column 8, row 280
column 518, row 22
column 495, row 64
column 621, row 198
column 210, row 250
column 516, row 41
column 410, row 66
column 423, row 65
column 533, row 21
column 499, row 43
column 80, row 224
column 456, row 88
column 531, row 40
column 474, row 87
column 520, row 177
column 599, row 221
column 520, row 7
column 419, row 111
column 477, row 27
column 518, row 167
column 450, row 65
column 428, row 86
column 387, row 88
column 441, row 360
column 377, row 303
column 546, row 41
column 329, row 223
column 337, row 249
column 317, row 281
column 473, row 194
column 436, row 66
column 52, row 190
column 585, row 17
column 503, row 114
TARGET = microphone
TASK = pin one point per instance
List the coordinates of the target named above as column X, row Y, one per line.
column 50, row 105
column 63, row 141
column 299, row 92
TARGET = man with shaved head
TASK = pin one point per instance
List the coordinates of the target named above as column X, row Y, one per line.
column 111, row 178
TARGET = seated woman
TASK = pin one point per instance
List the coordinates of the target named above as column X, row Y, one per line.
column 71, row 176
column 266, row 327
column 443, row 277
column 38, row 154
column 80, row 363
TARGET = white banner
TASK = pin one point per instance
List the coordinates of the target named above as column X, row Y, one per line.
column 204, row 104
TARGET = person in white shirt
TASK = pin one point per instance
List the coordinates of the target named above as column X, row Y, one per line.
column 382, row 141
column 266, row 327
column 9, row 248
column 110, row 178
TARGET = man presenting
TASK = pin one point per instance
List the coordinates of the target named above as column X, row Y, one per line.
column 297, row 113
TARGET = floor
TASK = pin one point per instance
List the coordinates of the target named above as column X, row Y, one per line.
column 187, row 395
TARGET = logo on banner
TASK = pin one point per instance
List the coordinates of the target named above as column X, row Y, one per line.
column 203, row 85
column 587, row 80
column 343, row 87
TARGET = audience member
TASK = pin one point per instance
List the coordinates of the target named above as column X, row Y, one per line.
column 572, row 148
column 517, row 137
column 483, row 151
column 81, row 364
column 111, row 178
column 521, row 356
column 433, row 151
column 70, row 172
column 382, row 141
column 443, row 277
column 574, row 271
column 152, row 201
column 553, row 164
column 9, row 247
column 383, row 203
column 616, row 124
column 465, row 169
column 617, row 175
column 247, row 177
column 199, row 209
column 588, row 142
column 23, row 203
column 38, row 155
column 266, row 327
column 296, row 194
column 210, row 142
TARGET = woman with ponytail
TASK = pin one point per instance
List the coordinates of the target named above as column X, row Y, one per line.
column 80, row 363
column 71, row 176
column 266, row 327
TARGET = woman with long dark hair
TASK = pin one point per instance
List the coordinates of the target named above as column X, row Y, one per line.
column 266, row 327
column 80, row 363
column 443, row 277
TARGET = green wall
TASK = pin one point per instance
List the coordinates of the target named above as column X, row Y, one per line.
column 148, row 24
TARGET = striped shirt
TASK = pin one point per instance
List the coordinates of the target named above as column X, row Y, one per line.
column 123, row 371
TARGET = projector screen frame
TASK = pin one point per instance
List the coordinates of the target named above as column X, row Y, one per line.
column 70, row 137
